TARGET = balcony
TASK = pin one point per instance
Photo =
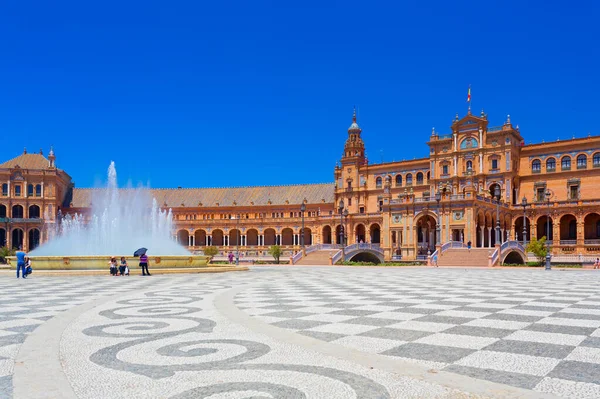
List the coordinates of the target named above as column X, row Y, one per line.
column 550, row 170
column 568, row 242
column 592, row 241
column 580, row 167
column 348, row 189
column 536, row 171
column 495, row 170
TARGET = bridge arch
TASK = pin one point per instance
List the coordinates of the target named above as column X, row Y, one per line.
column 364, row 256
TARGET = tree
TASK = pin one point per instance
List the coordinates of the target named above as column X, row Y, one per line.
column 275, row 252
column 4, row 253
column 538, row 248
column 211, row 251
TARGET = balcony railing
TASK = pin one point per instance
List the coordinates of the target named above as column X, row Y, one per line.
column 550, row 170
column 567, row 242
column 592, row 241
column 581, row 167
column 21, row 220
column 494, row 129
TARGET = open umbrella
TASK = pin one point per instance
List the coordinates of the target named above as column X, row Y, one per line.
column 140, row 252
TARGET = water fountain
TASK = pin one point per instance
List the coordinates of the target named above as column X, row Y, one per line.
column 120, row 221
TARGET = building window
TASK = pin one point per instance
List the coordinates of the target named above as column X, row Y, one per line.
column 540, row 194
column 419, row 178
column 550, row 165
column 581, row 162
column 378, row 182
column 494, row 164
column 17, row 190
column 574, row 192
column 409, row 179
column 596, row 160
column 536, row 166
column 398, row 180
column 380, row 206
column 565, row 163
column 30, row 190
column 349, row 201
column 444, row 169
column 5, row 190
column 361, row 209
column 38, row 190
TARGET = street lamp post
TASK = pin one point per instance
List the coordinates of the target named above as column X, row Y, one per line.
column 548, row 255
column 302, row 209
column 341, row 210
column 237, row 249
column 524, row 205
column 497, row 195
column 438, row 198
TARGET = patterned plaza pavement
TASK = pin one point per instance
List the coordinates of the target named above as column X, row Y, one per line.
column 303, row 332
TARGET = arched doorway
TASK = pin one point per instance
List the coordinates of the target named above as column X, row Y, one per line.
column 2, row 238
column 269, row 237
column 252, row 237
column 327, row 235
column 568, row 229
column 34, row 239
column 17, row 238
column 287, row 237
column 234, row 237
column 217, row 238
column 183, row 237
column 591, row 229
column 375, row 231
column 493, row 190
column 34, row 212
column 360, row 233
column 17, row 211
column 542, row 230
column 426, row 234
column 307, row 236
column 519, row 229
column 200, row 238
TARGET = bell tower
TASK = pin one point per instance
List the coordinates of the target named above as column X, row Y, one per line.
column 354, row 149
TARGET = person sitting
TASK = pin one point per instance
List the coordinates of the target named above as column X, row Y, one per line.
column 28, row 269
column 113, row 266
column 123, row 267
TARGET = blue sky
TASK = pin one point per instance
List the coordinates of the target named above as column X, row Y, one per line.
column 215, row 94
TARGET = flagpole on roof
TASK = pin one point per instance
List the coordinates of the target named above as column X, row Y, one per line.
column 469, row 99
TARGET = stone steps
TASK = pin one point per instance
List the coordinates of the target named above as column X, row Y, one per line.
column 464, row 257
column 317, row 258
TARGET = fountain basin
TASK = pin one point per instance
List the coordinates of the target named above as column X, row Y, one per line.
column 101, row 262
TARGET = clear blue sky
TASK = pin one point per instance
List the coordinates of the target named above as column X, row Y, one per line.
column 226, row 93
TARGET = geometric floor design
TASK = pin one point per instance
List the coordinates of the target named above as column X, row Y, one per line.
column 171, row 337
column 531, row 329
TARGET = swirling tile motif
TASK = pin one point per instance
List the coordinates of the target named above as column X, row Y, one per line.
column 173, row 315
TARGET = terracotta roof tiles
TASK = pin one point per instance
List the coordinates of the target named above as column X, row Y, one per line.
column 27, row 161
column 233, row 196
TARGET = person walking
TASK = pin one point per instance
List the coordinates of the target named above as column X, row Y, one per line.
column 144, row 265
column 469, row 246
column 230, row 257
column 597, row 263
column 21, row 262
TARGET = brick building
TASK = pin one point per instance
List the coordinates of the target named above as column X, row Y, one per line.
column 478, row 183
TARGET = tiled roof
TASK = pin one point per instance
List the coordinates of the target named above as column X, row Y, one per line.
column 241, row 196
column 27, row 161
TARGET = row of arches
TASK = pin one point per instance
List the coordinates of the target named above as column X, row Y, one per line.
column 359, row 234
column 17, row 212
column 567, row 227
column 407, row 180
column 251, row 237
column 565, row 162
column 17, row 237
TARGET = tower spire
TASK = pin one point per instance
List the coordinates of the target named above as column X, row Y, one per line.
column 354, row 115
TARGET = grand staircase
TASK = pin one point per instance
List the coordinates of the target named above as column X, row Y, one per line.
column 464, row 257
column 317, row 257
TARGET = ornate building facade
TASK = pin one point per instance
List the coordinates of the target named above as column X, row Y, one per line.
column 479, row 183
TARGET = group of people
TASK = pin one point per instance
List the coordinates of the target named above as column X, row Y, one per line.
column 122, row 268
column 23, row 264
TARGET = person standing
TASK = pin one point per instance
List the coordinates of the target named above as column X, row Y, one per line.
column 469, row 246
column 597, row 263
column 144, row 265
column 21, row 262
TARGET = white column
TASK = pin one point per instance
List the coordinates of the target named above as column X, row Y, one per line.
column 42, row 189
column 455, row 165
column 502, row 236
column 482, row 237
column 489, row 237
column 455, row 142
column 480, row 163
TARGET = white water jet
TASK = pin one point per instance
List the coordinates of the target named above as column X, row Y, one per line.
column 120, row 222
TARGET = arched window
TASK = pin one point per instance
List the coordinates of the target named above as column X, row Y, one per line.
column 550, row 165
column 409, row 179
column 30, row 190
column 596, row 160
column 398, row 180
column 469, row 166
column 5, row 190
column 38, row 190
column 581, row 161
column 419, row 178
column 536, row 166
column 378, row 182
column 565, row 163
